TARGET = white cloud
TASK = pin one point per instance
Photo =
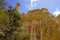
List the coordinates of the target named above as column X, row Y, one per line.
column 56, row 12
column 33, row 4
column 33, row 1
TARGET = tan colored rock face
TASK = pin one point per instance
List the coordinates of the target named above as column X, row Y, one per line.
column 40, row 25
column 58, row 21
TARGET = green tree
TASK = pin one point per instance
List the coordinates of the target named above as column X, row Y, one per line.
column 14, row 19
column 10, row 25
column 9, row 22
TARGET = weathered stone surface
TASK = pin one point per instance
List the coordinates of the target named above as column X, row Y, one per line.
column 40, row 25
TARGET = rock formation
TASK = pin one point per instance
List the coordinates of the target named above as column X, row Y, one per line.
column 39, row 24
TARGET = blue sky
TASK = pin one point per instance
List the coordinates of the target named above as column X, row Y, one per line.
column 52, row 5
